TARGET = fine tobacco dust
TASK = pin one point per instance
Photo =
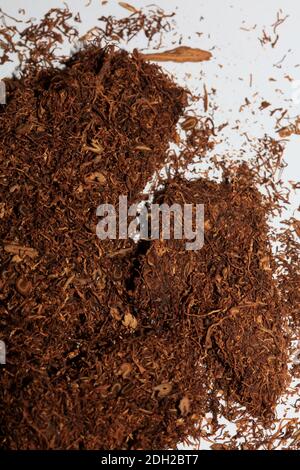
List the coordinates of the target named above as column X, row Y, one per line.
column 116, row 344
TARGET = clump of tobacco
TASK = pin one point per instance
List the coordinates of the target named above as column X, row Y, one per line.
column 116, row 344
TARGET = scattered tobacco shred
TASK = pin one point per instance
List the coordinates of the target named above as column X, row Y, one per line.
column 116, row 344
column 152, row 22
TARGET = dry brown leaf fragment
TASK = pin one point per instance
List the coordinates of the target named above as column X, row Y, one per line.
column 143, row 148
column 296, row 226
column 264, row 105
column 15, row 249
column 122, row 252
column 207, row 225
column 125, row 370
column 79, row 189
column 23, row 286
column 96, row 147
column 16, row 259
column 189, row 123
column 68, row 282
column 73, row 354
column 130, row 321
column 114, row 311
column 218, row 447
column 163, row 389
column 296, row 437
column 184, row 406
column 95, row 176
column 285, row 132
column 2, row 210
column 141, row 369
column 234, row 311
column 116, row 388
column 205, row 99
column 290, row 130
column 179, row 54
column 264, row 263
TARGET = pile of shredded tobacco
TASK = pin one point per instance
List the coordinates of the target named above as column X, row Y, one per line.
column 134, row 344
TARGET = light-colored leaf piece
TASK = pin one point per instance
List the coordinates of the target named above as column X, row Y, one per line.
column 163, row 389
column 184, row 406
column 125, row 370
column 179, row 54
column 130, row 321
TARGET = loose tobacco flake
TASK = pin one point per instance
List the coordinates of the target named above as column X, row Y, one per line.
column 179, row 54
